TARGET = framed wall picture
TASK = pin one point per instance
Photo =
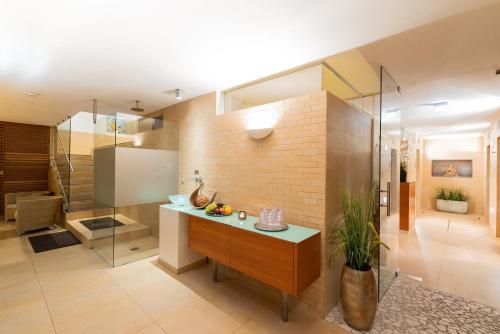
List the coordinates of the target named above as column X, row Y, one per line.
column 452, row 168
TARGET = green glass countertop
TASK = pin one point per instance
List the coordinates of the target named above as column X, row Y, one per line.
column 294, row 233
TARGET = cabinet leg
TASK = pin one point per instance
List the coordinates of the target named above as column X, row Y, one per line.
column 215, row 273
column 284, row 306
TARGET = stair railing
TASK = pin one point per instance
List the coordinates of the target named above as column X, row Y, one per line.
column 64, row 189
column 60, row 184
column 64, row 150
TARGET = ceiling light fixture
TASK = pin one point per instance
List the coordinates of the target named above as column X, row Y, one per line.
column 137, row 108
column 391, row 113
column 437, row 106
column 32, row 94
column 178, row 93
column 441, row 106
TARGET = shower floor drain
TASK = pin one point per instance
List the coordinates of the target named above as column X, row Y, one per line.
column 134, row 248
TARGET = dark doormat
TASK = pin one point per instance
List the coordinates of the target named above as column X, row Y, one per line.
column 50, row 241
column 100, row 223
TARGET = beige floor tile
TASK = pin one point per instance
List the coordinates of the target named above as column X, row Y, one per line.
column 123, row 316
column 25, row 314
column 164, row 297
column 200, row 317
column 152, row 329
column 63, row 259
column 16, row 286
column 13, row 251
column 69, row 294
column 138, row 274
column 253, row 327
column 469, row 288
column 300, row 321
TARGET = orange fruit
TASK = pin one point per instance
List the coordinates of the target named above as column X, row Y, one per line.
column 228, row 210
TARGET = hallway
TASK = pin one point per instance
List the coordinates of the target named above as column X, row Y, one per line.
column 463, row 261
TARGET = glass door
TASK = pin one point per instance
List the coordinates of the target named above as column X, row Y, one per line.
column 387, row 132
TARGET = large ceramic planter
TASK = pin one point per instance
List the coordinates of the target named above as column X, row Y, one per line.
column 358, row 297
column 452, row 206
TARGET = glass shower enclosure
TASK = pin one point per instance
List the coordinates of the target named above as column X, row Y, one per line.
column 135, row 170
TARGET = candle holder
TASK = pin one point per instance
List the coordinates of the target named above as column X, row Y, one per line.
column 242, row 215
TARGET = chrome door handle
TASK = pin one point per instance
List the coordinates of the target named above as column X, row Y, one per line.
column 388, row 203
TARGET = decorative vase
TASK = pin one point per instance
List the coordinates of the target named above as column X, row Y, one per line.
column 358, row 297
column 402, row 176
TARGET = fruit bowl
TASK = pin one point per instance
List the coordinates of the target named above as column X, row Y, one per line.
column 218, row 210
column 218, row 214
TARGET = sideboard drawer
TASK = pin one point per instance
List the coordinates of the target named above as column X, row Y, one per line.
column 209, row 239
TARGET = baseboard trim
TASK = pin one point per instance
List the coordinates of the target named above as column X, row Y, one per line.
column 181, row 269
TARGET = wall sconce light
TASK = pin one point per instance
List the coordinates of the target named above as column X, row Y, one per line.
column 260, row 124
column 137, row 140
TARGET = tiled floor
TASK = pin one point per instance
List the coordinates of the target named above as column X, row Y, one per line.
column 71, row 290
column 464, row 260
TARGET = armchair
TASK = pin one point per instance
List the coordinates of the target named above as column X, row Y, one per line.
column 11, row 198
column 35, row 212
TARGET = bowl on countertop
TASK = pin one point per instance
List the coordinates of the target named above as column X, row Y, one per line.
column 180, row 200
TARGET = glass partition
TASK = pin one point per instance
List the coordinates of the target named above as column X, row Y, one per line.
column 386, row 176
column 102, row 222
column 281, row 87
column 135, row 170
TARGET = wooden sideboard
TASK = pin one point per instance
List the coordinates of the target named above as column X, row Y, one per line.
column 407, row 205
column 288, row 266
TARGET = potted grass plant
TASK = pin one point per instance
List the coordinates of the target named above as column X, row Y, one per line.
column 453, row 200
column 355, row 236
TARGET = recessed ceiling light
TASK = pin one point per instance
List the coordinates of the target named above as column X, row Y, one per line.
column 32, row 94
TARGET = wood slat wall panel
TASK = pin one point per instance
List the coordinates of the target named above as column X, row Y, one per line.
column 2, row 166
column 24, row 158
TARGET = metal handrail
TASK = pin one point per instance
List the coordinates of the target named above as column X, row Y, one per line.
column 64, row 150
column 60, row 182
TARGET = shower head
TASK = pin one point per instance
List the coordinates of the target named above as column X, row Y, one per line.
column 137, row 108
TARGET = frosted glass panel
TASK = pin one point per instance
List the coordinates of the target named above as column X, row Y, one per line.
column 145, row 175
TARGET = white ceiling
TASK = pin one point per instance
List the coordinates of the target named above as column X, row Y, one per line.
column 120, row 51
column 452, row 60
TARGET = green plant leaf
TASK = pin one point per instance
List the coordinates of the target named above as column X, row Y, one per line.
column 353, row 233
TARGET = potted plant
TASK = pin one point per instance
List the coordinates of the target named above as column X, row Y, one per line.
column 355, row 235
column 453, row 200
